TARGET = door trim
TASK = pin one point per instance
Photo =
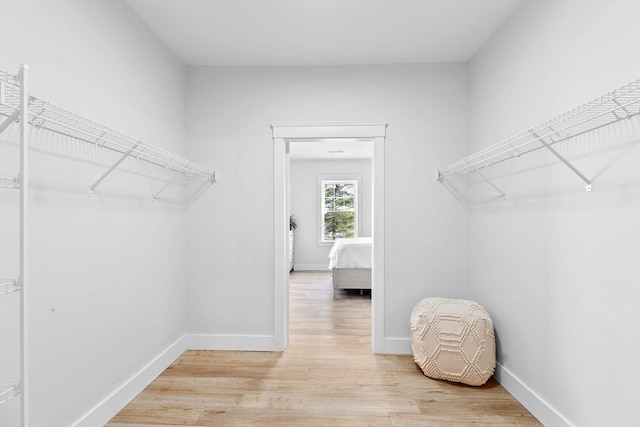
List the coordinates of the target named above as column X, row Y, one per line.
column 282, row 133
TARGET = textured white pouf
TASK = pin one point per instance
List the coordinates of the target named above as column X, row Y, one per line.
column 453, row 339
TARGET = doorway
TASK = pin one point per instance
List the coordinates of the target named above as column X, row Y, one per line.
column 283, row 135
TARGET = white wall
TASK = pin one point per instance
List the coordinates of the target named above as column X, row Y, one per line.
column 308, row 253
column 557, row 267
column 231, row 260
column 107, row 273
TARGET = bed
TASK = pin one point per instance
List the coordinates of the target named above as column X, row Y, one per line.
column 350, row 261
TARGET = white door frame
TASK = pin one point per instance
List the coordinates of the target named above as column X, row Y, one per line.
column 282, row 135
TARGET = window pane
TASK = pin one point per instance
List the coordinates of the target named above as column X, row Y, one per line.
column 338, row 225
column 329, row 204
column 348, row 203
column 329, row 197
column 329, row 191
column 343, row 197
column 345, row 190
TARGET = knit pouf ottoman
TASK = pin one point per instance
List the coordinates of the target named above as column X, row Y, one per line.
column 453, row 339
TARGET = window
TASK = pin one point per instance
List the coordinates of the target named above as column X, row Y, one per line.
column 339, row 213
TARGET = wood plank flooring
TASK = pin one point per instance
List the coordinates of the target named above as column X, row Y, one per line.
column 328, row 376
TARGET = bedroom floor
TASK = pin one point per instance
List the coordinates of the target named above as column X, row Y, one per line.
column 327, row 376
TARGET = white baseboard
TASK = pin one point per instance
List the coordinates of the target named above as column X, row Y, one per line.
column 100, row 414
column 395, row 346
column 311, row 267
column 535, row 404
column 232, row 342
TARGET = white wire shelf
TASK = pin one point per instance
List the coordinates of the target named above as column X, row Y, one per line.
column 9, row 182
column 8, row 390
column 44, row 115
column 9, row 286
column 613, row 107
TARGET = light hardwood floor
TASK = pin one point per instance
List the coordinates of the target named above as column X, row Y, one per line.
column 328, row 376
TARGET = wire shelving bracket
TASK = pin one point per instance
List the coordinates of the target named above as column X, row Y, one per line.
column 8, row 390
column 44, row 115
column 9, row 286
column 9, row 182
column 613, row 107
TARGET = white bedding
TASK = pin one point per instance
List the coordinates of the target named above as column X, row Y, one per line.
column 351, row 253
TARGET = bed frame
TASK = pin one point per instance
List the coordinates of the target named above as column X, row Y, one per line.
column 351, row 278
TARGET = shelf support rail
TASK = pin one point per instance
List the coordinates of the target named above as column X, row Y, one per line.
column 562, row 159
column 112, row 168
column 23, row 386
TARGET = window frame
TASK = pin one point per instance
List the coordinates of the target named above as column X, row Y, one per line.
column 341, row 179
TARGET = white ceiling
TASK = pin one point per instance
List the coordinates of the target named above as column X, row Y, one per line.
column 323, row 32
